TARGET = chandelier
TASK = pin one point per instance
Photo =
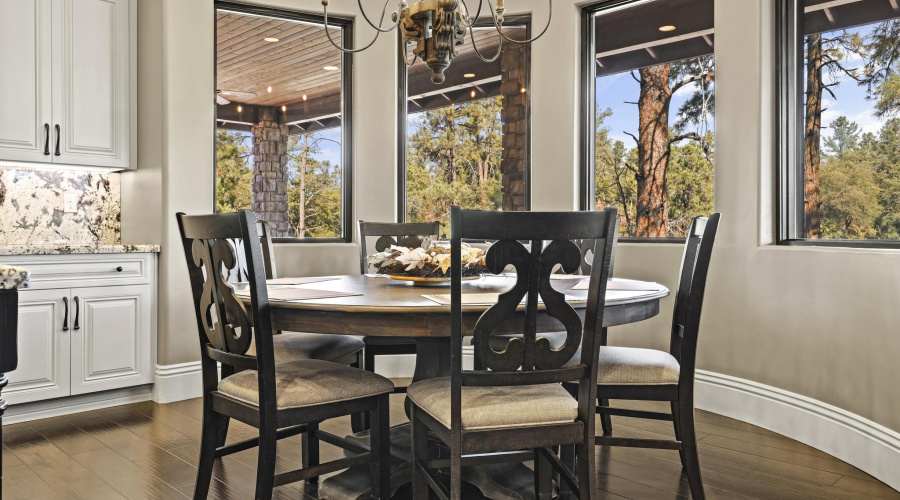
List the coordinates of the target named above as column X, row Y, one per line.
column 436, row 27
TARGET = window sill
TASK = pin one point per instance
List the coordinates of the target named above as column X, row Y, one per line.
column 855, row 244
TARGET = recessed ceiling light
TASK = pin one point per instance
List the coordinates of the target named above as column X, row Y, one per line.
column 240, row 109
column 304, row 97
column 330, row 68
column 269, row 89
column 271, row 39
column 667, row 27
column 284, row 108
column 472, row 93
column 469, row 75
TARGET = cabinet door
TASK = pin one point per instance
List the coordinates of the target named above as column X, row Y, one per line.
column 91, row 67
column 25, row 88
column 43, row 370
column 111, row 340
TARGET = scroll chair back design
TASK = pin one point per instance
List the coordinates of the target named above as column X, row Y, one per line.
column 650, row 375
column 410, row 234
column 278, row 399
column 292, row 346
column 514, row 406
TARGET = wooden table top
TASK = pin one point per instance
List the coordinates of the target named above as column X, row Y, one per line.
column 395, row 308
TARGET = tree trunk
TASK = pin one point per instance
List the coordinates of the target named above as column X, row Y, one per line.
column 653, row 151
column 813, row 129
column 301, row 223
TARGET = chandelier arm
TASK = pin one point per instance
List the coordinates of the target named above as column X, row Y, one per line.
column 379, row 28
column 342, row 49
column 477, row 53
column 406, row 57
column 468, row 23
column 521, row 42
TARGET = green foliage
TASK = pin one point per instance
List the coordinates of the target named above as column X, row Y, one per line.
column 233, row 172
column 453, row 158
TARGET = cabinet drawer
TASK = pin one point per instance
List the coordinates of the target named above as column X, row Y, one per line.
column 67, row 271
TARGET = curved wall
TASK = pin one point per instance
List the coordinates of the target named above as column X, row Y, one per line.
column 817, row 322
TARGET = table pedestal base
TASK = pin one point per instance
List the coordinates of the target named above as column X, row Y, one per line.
column 507, row 481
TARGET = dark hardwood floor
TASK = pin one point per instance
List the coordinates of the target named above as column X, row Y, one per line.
column 148, row 451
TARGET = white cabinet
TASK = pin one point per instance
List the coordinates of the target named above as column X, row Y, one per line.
column 44, row 347
column 68, row 81
column 94, row 337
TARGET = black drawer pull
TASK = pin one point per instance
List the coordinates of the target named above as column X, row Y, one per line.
column 76, row 327
column 47, row 139
column 57, row 141
column 66, row 314
column 119, row 269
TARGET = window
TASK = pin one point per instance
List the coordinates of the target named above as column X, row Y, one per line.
column 282, row 121
column 467, row 139
column 648, row 135
column 839, row 122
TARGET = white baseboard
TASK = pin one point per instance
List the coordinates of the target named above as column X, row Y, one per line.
column 869, row 446
column 75, row 404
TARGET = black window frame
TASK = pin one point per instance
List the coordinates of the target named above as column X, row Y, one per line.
column 346, row 40
column 790, row 164
column 588, row 77
column 403, row 111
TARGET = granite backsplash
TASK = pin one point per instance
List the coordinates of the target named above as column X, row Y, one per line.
column 32, row 207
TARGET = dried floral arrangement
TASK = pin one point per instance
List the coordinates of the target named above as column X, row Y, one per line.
column 433, row 262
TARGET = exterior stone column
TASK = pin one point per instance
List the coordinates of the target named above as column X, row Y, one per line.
column 514, row 115
column 270, row 179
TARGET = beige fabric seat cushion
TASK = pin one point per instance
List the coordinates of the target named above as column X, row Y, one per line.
column 293, row 346
column 635, row 366
column 308, row 383
column 496, row 407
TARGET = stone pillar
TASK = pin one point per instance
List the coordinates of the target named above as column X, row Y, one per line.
column 270, row 179
column 514, row 115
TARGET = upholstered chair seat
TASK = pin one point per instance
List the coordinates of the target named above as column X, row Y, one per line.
column 635, row 366
column 494, row 407
column 294, row 346
column 305, row 383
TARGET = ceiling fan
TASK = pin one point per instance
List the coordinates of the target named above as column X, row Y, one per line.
column 222, row 94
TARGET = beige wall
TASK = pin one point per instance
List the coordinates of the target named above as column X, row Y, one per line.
column 819, row 322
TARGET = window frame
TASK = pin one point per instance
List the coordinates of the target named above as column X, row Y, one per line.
column 790, row 162
column 588, row 78
column 346, row 25
column 403, row 112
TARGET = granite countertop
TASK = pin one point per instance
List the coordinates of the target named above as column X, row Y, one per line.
column 13, row 277
column 75, row 249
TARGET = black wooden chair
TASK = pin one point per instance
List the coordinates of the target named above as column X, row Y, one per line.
column 279, row 399
column 390, row 233
column 291, row 346
column 513, row 407
column 651, row 375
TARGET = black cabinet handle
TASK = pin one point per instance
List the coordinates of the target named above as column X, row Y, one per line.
column 47, row 139
column 57, row 141
column 119, row 269
column 76, row 327
column 66, row 314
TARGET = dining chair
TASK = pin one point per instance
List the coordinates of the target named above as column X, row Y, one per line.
column 514, row 407
column 652, row 375
column 409, row 234
column 279, row 399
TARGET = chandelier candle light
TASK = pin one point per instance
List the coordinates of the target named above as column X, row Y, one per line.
column 437, row 27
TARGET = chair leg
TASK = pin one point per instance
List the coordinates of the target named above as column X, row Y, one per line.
column 208, row 441
column 689, row 449
column 543, row 476
column 584, row 456
column 380, row 440
column 455, row 474
column 222, row 431
column 369, row 366
column 567, row 456
column 359, row 421
column 265, row 466
column 310, row 449
column 605, row 420
column 676, row 417
column 419, row 442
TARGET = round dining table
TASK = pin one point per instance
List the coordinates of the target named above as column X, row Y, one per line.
column 381, row 306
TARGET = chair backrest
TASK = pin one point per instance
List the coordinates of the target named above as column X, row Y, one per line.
column 689, row 295
column 587, row 253
column 408, row 234
column 225, row 325
column 268, row 254
column 529, row 359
